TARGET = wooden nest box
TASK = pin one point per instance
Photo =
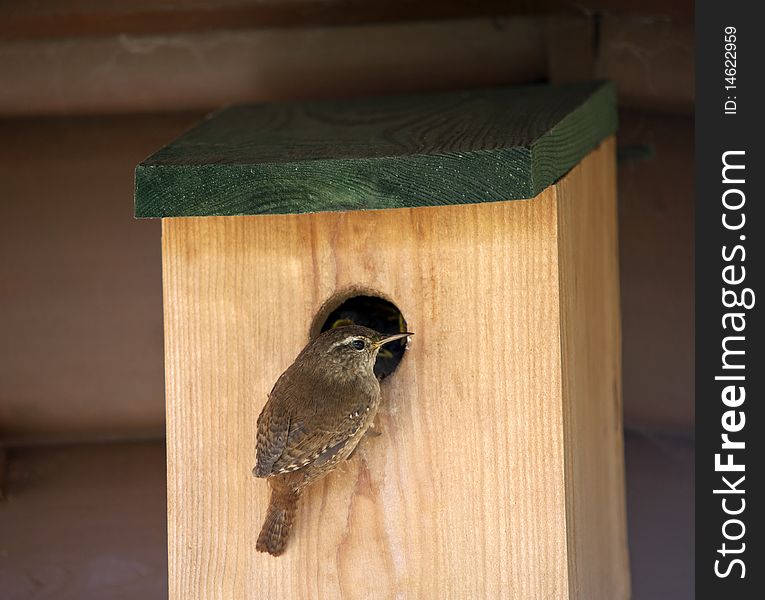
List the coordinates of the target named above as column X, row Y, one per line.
column 488, row 219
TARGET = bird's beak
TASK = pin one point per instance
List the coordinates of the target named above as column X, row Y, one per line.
column 392, row 338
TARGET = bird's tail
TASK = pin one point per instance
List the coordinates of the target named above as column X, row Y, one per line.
column 279, row 518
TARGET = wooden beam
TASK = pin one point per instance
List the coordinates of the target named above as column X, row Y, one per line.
column 651, row 61
column 22, row 19
column 388, row 152
column 130, row 73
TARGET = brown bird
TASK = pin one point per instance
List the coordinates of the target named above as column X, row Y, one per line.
column 317, row 412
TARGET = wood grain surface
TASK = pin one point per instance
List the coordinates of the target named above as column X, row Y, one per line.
column 466, row 493
column 592, row 380
column 387, row 152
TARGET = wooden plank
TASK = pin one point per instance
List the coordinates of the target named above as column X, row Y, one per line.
column 476, row 404
column 81, row 349
column 240, row 296
column 592, row 392
column 388, row 152
column 651, row 62
column 207, row 70
column 22, row 19
column 84, row 522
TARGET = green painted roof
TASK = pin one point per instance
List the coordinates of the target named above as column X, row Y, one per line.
column 373, row 153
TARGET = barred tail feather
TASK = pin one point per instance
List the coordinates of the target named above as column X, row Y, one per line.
column 279, row 518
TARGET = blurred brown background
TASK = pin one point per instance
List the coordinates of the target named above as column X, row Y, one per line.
column 88, row 88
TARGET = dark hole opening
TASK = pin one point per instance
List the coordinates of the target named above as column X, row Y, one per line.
column 375, row 313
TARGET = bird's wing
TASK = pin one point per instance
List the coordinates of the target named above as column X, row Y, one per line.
column 273, row 429
column 308, row 443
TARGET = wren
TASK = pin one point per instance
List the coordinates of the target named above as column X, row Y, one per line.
column 316, row 414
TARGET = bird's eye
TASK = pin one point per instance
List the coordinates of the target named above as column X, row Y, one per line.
column 358, row 344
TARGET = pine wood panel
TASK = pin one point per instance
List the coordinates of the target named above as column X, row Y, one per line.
column 464, row 495
column 592, row 385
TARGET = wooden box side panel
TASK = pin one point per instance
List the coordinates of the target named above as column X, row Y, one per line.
column 462, row 496
column 591, row 355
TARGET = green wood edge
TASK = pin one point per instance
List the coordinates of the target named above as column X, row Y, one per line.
column 575, row 136
column 377, row 183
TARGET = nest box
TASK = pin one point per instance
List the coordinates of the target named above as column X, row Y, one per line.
column 485, row 222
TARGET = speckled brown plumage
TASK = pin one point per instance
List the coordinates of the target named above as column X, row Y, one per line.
column 317, row 412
